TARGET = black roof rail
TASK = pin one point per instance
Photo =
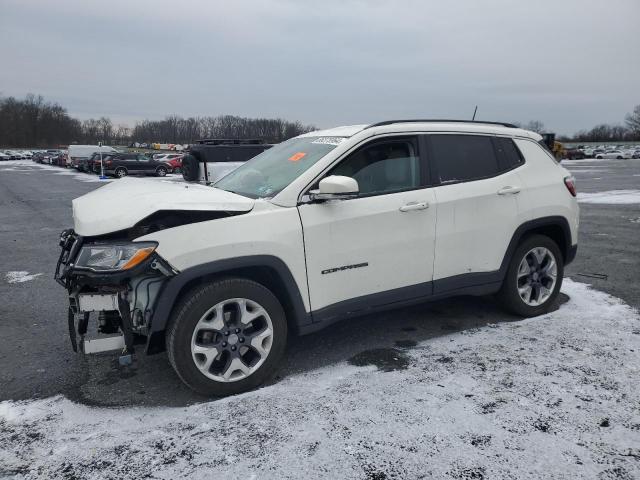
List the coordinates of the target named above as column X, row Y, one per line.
column 230, row 141
column 432, row 120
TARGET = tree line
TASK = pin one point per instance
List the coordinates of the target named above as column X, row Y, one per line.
column 603, row 132
column 35, row 122
column 175, row 129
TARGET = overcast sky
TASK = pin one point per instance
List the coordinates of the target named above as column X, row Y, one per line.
column 569, row 63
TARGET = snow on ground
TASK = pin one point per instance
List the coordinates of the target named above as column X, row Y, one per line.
column 550, row 397
column 20, row 277
column 611, row 197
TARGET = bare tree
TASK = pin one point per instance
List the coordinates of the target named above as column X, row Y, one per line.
column 535, row 126
column 633, row 121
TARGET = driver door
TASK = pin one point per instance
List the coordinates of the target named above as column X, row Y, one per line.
column 377, row 248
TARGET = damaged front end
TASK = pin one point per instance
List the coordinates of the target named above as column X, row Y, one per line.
column 116, row 281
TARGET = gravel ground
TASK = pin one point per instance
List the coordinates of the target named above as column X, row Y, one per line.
column 376, row 397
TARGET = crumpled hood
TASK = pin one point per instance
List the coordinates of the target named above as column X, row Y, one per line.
column 125, row 202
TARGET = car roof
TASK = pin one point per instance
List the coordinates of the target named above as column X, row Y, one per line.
column 398, row 126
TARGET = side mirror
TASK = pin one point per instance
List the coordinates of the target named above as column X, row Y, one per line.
column 335, row 187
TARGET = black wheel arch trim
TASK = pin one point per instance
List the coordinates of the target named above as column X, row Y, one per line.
column 568, row 250
column 175, row 286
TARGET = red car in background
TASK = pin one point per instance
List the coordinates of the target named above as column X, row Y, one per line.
column 173, row 159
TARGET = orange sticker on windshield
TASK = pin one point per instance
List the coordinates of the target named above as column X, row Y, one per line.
column 296, row 156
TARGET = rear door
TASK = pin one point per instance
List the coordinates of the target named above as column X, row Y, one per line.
column 477, row 205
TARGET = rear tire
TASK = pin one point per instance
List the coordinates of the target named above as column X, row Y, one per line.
column 218, row 324
column 161, row 171
column 534, row 277
column 120, row 172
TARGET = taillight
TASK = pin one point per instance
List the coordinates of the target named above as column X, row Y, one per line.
column 108, row 162
column 570, row 183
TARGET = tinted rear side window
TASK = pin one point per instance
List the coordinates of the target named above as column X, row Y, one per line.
column 460, row 158
column 508, row 154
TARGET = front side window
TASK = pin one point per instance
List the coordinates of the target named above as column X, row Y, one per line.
column 274, row 169
column 384, row 167
column 460, row 158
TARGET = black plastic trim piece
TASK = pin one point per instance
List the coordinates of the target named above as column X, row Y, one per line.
column 531, row 225
column 368, row 303
column 571, row 254
column 171, row 290
column 465, row 284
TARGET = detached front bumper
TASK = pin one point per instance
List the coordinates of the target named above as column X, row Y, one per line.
column 122, row 303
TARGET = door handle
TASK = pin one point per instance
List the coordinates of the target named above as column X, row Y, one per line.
column 508, row 190
column 414, row 206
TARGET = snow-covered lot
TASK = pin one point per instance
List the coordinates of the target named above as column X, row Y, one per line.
column 550, row 397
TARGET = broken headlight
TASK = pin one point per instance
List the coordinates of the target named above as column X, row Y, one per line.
column 114, row 257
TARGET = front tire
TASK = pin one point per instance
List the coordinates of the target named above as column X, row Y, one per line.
column 227, row 337
column 534, row 277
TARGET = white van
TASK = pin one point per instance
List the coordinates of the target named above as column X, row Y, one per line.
column 83, row 152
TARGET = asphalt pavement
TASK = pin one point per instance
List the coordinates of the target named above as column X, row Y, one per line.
column 36, row 359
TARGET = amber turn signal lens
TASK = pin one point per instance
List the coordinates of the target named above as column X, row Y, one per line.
column 139, row 257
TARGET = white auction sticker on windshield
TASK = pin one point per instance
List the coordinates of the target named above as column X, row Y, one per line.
column 329, row 140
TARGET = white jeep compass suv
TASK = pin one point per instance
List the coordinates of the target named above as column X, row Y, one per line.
column 325, row 226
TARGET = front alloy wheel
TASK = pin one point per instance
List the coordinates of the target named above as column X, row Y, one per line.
column 226, row 337
column 232, row 340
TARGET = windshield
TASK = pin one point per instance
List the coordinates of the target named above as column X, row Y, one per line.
column 268, row 173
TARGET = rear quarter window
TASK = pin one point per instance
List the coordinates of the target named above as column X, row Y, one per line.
column 509, row 156
column 535, row 152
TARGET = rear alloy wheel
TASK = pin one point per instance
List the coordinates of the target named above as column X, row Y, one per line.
column 161, row 171
column 121, row 172
column 227, row 337
column 534, row 277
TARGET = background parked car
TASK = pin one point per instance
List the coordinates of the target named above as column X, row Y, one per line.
column 38, row 157
column 123, row 164
column 14, row 154
column 173, row 159
column 574, row 154
column 4, row 156
column 619, row 154
column 83, row 152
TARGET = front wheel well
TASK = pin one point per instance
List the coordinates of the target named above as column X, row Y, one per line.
column 264, row 275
